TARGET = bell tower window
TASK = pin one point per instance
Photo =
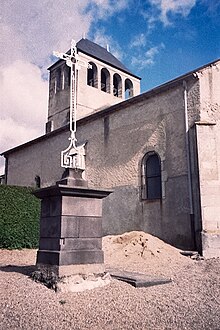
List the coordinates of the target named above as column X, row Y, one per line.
column 58, row 81
column 117, row 85
column 129, row 92
column 92, row 79
column 66, row 73
column 105, row 80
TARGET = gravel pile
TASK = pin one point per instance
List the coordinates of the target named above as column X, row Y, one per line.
column 190, row 301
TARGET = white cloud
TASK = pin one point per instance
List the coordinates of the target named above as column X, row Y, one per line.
column 31, row 30
column 173, row 7
column 34, row 28
column 13, row 133
column 148, row 59
column 23, row 96
column 105, row 8
column 139, row 41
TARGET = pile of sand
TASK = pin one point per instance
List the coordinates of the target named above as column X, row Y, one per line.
column 138, row 244
column 139, row 247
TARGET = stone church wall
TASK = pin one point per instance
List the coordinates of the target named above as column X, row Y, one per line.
column 117, row 140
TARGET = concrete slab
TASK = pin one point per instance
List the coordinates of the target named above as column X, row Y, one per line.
column 138, row 280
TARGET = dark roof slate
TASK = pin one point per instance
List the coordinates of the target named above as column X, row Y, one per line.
column 90, row 48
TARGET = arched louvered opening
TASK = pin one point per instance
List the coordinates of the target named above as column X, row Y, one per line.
column 129, row 92
column 105, row 80
column 117, row 85
column 92, row 76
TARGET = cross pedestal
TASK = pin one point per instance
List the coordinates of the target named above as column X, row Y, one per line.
column 71, row 227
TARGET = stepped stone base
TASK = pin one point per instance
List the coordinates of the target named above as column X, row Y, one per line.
column 70, row 228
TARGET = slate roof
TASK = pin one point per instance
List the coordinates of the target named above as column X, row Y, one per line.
column 100, row 53
column 90, row 48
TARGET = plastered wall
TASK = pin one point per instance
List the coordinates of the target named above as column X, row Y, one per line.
column 116, row 144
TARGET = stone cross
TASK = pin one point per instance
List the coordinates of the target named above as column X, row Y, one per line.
column 73, row 156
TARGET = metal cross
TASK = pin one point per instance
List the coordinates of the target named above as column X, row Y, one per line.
column 72, row 156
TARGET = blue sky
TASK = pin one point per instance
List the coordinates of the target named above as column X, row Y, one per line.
column 168, row 38
column 158, row 40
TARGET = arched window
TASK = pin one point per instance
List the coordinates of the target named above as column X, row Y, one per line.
column 92, row 77
column 58, row 80
column 151, row 176
column 117, row 85
column 128, row 88
column 105, row 80
column 37, row 181
column 66, row 75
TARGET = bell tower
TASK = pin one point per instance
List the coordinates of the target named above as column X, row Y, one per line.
column 105, row 82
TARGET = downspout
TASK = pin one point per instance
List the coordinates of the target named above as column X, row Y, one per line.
column 188, row 162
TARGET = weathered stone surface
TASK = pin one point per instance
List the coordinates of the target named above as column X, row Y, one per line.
column 49, row 244
column 74, row 257
column 77, row 206
column 211, row 244
column 69, row 226
column 58, row 244
column 70, row 229
column 51, row 206
column 50, row 227
column 81, row 226
column 90, row 227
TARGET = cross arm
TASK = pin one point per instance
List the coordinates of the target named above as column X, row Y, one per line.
column 62, row 56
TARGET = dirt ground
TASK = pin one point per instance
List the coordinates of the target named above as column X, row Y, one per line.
column 190, row 301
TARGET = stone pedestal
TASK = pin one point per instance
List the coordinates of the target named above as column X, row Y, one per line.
column 71, row 228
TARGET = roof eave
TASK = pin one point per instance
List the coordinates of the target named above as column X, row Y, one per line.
column 97, row 58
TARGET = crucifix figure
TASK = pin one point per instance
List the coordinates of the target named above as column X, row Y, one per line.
column 73, row 157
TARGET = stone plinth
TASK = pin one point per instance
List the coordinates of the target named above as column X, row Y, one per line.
column 211, row 244
column 70, row 230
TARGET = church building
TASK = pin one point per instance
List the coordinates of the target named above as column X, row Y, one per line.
column 158, row 151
